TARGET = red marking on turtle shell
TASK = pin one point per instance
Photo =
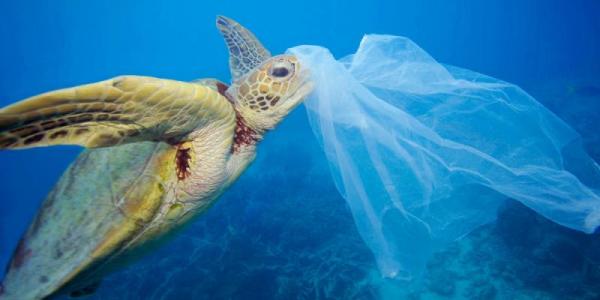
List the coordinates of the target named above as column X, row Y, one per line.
column 244, row 135
column 21, row 254
column 182, row 160
column 222, row 88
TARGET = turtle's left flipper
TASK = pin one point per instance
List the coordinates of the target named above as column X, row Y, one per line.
column 120, row 110
column 245, row 50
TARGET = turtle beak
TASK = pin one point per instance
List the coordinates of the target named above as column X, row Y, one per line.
column 304, row 88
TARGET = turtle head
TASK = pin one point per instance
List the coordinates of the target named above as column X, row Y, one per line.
column 269, row 92
column 264, row 89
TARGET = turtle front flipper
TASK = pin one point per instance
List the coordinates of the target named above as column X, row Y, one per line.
column 245, row 50
column 120, row 110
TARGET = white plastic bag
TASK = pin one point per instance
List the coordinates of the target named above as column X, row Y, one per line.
column 424, row 153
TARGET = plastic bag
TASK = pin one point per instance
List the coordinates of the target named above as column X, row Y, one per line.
column 424, row 153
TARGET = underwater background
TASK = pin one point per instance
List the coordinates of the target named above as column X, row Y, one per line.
column 283, row 231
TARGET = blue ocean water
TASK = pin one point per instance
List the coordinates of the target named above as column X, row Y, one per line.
column 283, row 231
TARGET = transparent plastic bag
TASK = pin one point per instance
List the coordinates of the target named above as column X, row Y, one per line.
column 424, row 153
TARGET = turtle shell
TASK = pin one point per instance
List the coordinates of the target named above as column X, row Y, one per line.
column 101, row 203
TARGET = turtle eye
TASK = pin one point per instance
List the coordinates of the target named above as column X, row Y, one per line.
column 281, row 69
column 280, row 72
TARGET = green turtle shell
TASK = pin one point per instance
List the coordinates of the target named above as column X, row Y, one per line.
column 105, row 199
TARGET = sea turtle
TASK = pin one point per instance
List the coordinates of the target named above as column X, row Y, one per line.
column 163, row 152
